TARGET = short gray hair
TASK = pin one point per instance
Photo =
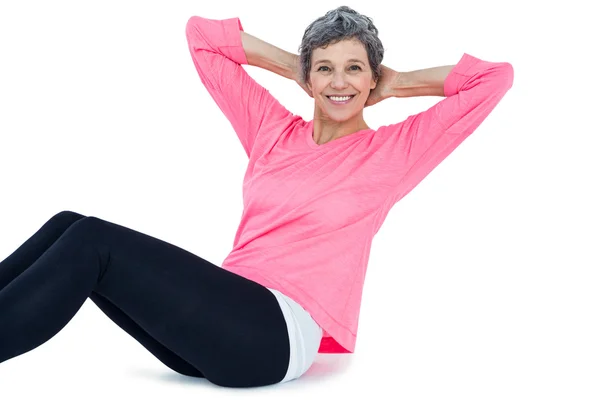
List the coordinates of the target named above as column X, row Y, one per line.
column 336, row 25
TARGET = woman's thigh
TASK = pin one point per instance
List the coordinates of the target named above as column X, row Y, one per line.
column 34, row 247
column 229, row 328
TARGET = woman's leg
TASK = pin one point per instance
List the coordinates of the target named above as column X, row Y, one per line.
column 228, row 327
column 35, row 246
column 165, row 355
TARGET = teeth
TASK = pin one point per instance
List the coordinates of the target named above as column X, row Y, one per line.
column 335, row 98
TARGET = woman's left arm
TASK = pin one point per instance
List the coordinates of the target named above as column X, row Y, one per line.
column 422, row 82
column 412, row 148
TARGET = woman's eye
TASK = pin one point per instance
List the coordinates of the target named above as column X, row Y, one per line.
column 350, row 67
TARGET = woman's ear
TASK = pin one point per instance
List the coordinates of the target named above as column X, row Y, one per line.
column 373, row 83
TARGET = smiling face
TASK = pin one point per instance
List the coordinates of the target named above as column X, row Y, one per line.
column 340, row 69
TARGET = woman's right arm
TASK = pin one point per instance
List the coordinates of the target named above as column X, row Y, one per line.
column 218, row 55
column 262, row 54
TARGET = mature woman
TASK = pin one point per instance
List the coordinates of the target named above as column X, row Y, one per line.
column 315, row 194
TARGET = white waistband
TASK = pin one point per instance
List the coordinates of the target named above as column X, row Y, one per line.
column 304, row 333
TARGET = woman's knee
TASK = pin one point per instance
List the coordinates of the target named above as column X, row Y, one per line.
column 78, row 232
column 67, row 216
column 86, row 227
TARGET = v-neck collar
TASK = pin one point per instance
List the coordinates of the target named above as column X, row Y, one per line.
column 309, row 131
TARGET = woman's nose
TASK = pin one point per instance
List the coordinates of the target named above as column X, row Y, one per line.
column 338, row 81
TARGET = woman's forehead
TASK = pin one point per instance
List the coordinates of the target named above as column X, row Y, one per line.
column 345, row 50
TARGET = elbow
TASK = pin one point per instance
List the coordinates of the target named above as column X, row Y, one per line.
column 193, row 32
column 508, row 74
column 191, row 28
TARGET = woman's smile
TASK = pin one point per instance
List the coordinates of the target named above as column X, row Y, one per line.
column 345, row 99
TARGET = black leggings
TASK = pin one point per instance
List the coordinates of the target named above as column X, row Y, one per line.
column 195, row 317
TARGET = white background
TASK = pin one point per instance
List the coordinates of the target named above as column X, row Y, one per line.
column 483, row 281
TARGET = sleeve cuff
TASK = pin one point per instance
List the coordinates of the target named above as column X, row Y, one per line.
column 234, row 49
column 456, row 77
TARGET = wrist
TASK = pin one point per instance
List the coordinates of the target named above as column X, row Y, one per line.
column 403, row 84
column 293, row 61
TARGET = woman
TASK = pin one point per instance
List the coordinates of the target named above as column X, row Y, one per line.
column 315, row 194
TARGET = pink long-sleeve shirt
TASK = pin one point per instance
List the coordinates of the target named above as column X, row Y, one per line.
column 311, row 211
